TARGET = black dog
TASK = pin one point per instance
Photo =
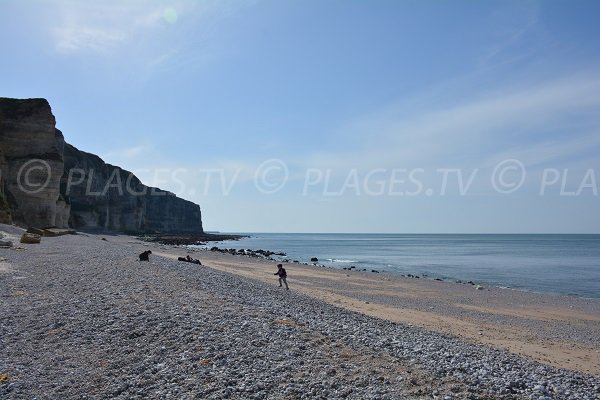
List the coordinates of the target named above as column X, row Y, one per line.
column 144, row 255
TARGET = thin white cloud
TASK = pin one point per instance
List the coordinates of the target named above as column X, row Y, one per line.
column 524, row 121
column 163, row 58
column 73, row 39
column 143, row 37
column 570, row 152
column 514, row 25
column 128, row 153
column 104, row 26
column 100, row 27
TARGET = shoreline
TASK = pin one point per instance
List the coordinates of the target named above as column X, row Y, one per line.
column 482, row 325
column 84, row 307
column 471, row 282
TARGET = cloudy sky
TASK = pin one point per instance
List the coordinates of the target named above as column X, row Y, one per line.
column 330, row 116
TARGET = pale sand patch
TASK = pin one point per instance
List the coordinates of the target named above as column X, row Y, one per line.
column 5, row 268
column 320, row 283
column 539, row 313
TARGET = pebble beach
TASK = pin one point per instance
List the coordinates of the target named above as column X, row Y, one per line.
column 81, row 317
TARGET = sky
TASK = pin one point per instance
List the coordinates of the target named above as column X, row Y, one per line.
column 330, row 116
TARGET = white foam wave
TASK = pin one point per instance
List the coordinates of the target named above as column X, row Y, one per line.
column 338, row 260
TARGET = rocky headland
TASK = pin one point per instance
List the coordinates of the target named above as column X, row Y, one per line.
column 45, row 182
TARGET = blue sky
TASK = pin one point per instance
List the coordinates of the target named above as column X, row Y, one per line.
column 330, row 116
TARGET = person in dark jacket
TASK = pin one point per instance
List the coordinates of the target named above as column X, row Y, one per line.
column 282, row 276
column 144, row 255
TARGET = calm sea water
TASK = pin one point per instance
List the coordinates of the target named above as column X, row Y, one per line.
column 562, row 264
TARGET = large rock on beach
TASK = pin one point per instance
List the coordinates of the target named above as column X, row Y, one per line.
column 31, row 238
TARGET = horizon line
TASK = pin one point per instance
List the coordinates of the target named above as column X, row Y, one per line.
column 405, row 233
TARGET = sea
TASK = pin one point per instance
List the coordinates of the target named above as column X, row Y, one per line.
column 545, row 263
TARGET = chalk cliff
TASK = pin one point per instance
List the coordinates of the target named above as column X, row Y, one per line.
column 31, row 164
column 46, row 182
column 107, row 197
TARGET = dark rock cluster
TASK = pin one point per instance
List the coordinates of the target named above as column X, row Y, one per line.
column 260, row 253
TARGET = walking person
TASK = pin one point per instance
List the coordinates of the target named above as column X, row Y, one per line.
column 282, row 276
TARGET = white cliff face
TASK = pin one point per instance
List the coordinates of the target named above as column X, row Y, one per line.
column 63, row 211
column 35, row 189
column 107, row 197
column 31, row 163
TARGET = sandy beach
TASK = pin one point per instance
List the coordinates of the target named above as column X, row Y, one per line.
column 82, row 318
column 562, row 331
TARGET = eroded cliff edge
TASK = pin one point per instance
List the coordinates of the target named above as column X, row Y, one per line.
column 46, row 182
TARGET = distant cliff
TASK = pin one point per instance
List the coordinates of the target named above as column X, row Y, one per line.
column 46, row 182
column 106, row 197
